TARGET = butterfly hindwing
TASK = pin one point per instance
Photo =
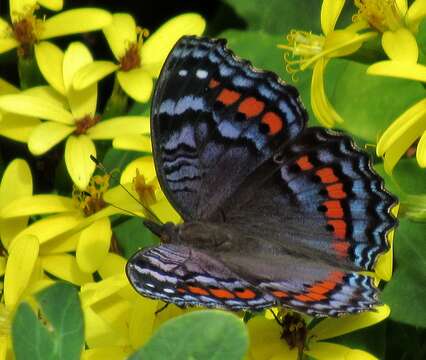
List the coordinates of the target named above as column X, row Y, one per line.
column 185, row 276
column 214, row 114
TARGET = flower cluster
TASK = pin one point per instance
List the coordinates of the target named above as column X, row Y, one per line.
column 397, row 25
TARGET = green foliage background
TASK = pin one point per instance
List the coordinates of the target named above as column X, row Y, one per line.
column 368, row 104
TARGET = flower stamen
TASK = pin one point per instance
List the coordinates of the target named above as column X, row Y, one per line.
column 131, row 59
column 85, row 123
column 382, row 15
column 91, row 200
column 26, row 30
column 145, row 191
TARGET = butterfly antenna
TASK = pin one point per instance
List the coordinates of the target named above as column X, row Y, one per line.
column 101, row 166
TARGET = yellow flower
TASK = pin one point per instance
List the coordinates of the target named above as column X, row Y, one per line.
column 308, row 49
column 398, row 23
column 267, row 342
column 69, row 113
column 118, row 320
column 139, row 61
column 26, row 30
column 140, row 180
column 79, row 224
column 14, row 126
column 404, row 131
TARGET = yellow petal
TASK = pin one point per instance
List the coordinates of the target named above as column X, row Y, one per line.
column 17, row 182
column 355, row 354
column 92, row 73
column 91, row 293
column 156, row 48
column 265, row 340
column 33, row 106
column 330, row 11
column 83, row 102
column 332, row 327
column 61, row 244
column 19, row 7
column 137, row 83
column 23, row 254
column 145, row 166
column 78, row 150
column 400, row 45
column 114, row 264
column 50, row 60
column 17, row 127
column 321, row 107
column 409, row 119
column 327, row 351
column 123, row 125
column 421, row 150
column 47, row 135
column 50, row 227
column 7, row 42
column 142, row 320
column 120, row 33
column 76, row 56
column 165, row 211
column 48, row 93
column 7, row 88
column 54, row 5
column 93, row 245
column 415, row 14
column 75, row 21
column 65, row 267
column 97, row 331
column 131, row 142
column 398, row 69
column 342, row 43
column 383, row 268
column 106, row 352
column 37, row 204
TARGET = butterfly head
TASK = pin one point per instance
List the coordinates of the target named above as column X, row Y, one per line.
column 168, row 232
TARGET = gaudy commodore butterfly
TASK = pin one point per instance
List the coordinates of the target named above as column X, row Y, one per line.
column 274, row 213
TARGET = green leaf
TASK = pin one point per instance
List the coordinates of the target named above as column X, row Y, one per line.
column 368, row 104
column 56, row 334
column 405, row 342
column 208, row 334
column 421, row 41
column 133, row 235
column 277, row 16
column 406, row 292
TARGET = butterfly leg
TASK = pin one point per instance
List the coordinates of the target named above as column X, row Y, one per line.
column 162, row 308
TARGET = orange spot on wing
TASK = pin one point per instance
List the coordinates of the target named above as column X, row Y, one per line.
column 317, row 291
column 304, row 163
column 181, row 290
column 251, row 107
column 213, row 83
column 245, row 294
column 279, row 293
column 327, row 175
column 339, row 228
column 334, row 209
column 228, row 97
column 274, row 122
column 341, row 247
column 221, row 293
column 198, row 290
column 336, row 191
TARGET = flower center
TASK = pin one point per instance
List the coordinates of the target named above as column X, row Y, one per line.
column 85, row 123
column 382, row 15
column 294, row 330
column 91, row 200
column 302, row 50
column 145, row 191
column 132, row 59
column 25, row 31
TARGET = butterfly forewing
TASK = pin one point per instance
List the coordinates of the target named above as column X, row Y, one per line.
column 213, row 115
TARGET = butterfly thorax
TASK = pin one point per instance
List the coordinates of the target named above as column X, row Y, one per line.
column 198, row 234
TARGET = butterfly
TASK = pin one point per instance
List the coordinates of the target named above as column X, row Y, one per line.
column 275, row 213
